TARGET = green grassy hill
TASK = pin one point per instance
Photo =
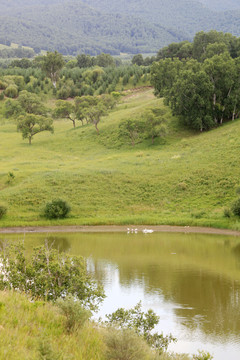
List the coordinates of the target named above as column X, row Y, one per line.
column 186, row 178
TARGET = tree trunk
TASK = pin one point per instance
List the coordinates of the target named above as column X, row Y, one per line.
column 97, row 129
column 214, row 105
column 234, row 111
column 30, row 140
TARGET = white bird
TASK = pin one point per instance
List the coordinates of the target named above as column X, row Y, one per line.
column 147, row 231
column 128, row 230
column 136, row 230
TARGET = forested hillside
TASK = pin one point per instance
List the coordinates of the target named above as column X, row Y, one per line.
column 94, row 26
column 221, row 5
column 73, row 27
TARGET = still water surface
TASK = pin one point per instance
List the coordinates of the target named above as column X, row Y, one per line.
column 191, row 280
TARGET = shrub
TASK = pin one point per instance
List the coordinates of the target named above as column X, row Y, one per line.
column 236, row 207
column 10, row 177
column 3, row 85
column 1, row 95
column 202, row 355
column 46, row 351
column 76, row 314
column 125, row 345
column 48, row 275
column 3, row 211
column 56, row 209
column 227, row 212
column 64, row 92
column 11, row 91
column 142, row 324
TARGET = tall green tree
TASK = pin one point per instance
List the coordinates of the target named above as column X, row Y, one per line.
column 30, row 114
column 64, row 109
column 95, row 114
column 104, row 60
column 51, row 64
column 191, row 99
column 138, row 60
column 84, row 61
column 164, row 74
column 222, row 74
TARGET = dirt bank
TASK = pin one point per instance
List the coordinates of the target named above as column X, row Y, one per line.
column 116, row 228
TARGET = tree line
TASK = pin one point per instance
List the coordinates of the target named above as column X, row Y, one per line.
column 203, row 46
column 18, row 52
column 202, row 89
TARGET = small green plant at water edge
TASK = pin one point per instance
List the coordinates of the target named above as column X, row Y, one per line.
column 236, row 207
column 56, row 209
column 202, row 355
column 76, row 314
column 142, row 323
column 3, row 211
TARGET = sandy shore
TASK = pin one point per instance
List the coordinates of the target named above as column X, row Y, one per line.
column 116, row 228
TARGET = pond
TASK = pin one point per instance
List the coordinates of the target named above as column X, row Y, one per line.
column 192, row 281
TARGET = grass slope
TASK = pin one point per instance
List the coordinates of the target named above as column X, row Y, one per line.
column 30, row 330
column 184, row 179
column 36, row 331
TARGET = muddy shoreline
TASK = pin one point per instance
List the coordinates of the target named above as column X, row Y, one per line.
column 116, row 228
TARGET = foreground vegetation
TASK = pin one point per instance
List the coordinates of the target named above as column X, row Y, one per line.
column 37, row 331
column 50, row 318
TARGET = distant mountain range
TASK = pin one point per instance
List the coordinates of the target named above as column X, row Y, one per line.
column 112, row 26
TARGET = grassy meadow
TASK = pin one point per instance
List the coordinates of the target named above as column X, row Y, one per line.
column 185, row 178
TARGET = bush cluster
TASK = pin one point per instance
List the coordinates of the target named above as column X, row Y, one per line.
column 56, row 209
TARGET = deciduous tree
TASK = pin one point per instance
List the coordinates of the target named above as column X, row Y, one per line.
column 31, row 124
column 51, row 64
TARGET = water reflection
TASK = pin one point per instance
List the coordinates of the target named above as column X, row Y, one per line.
column 191, row 280
column 60, row 243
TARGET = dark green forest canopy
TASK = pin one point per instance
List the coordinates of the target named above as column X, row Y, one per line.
column 203, row 94
column 95, row 26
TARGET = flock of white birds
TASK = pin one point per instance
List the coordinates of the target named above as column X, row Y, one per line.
column 145, row 231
